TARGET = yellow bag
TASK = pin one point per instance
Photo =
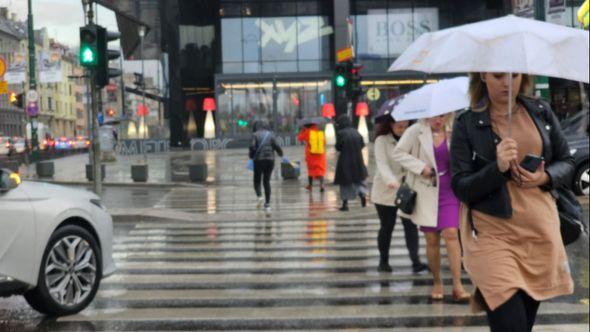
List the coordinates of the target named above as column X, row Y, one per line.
column 316, row 142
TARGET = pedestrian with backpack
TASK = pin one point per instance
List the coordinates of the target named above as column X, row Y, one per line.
column 315, row 154
column 262, row 155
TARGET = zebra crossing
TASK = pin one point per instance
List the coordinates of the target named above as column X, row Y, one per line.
column 226, row 266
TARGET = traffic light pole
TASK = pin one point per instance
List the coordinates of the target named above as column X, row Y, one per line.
column 32, row 78
column 96, row 167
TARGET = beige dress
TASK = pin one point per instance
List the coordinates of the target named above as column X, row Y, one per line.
column 524, row 252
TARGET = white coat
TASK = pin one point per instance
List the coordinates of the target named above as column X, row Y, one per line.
column 413, row 152
column 387, row 171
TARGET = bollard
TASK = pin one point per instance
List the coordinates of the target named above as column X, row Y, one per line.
column 139, row 173
column 45, row 169
column 90, row 175
column 197, row 172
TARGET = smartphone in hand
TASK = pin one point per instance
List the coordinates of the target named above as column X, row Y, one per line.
column 531, row 162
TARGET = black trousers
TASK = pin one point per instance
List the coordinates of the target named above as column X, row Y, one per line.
column 518, row 314
column 388, row 216
column 262, row 172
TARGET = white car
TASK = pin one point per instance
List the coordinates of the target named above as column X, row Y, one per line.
column 55, row 244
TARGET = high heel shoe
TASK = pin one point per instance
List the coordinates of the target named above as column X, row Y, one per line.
column 462, row 297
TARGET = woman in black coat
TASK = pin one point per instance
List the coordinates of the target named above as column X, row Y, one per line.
column 350, row 168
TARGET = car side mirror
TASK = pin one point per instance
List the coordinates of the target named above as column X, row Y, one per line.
column 8, row 180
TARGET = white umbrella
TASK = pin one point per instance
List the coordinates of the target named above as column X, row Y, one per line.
column 433, row 100
column 508, row 44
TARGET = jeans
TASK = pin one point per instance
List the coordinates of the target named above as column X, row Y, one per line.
column 262, row 172
column 388, row 216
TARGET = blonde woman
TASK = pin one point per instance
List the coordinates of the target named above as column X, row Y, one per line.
column 423, row 152
column 513, row 250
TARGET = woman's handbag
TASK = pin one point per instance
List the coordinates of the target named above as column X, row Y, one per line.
column 405, row 198
column 570, row 215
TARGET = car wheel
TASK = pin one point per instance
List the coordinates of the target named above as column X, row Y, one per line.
column 582, row 180
column 69, row 274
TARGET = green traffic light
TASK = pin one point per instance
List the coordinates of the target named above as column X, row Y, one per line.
column 87, row 56
column 340, row 81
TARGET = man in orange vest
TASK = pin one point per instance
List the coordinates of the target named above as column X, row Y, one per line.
column 315, row 154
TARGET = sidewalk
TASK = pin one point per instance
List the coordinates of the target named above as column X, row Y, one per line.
column 224, row 167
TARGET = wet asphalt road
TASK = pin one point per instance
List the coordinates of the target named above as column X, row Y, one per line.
column 213, row 261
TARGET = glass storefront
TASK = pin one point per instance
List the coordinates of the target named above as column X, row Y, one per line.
column 275, row 37
column 280, row 102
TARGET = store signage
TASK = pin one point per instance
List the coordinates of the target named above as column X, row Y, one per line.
column 300, row 31
column 397, row 29
column 373, row 94
column 2, row 66
column 344, row 54
column 3, row 87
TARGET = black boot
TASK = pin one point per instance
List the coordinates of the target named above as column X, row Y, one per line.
column 384, row 267
column 420, row 268
column 363, row 200
column 344, row 206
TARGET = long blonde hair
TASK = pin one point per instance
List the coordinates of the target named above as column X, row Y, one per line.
column 478, row 91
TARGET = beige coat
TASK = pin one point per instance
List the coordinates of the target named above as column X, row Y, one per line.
column 387, row 171
column 413, row 152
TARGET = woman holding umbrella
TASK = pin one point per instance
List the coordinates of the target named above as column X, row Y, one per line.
column 514, row 253
column 315, row 153
column 388, row 175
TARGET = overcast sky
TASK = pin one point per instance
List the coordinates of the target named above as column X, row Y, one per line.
column 61, row 17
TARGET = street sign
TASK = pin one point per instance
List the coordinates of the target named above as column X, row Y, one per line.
column 3, row 87
column 32, row 109
column 344, row 54
column 2, row 66
column 373, row 94
column 32, row 96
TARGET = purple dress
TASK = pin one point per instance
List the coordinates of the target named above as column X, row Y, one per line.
column 448, row 204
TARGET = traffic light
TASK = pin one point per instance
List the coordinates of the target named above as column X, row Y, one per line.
column 111, row 112
column 340, row 75
column 103, row 72
column 89, row 46
column 16, row 99
column 355, row 89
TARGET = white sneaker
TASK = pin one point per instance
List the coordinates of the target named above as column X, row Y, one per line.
column 260, row 202
column 267, row 210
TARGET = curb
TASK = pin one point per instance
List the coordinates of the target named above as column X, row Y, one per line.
column 122, row 184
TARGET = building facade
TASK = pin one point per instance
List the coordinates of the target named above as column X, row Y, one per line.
column 274, row 60
column 12, row 119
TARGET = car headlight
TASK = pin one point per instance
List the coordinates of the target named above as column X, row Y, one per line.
column 573, row 151
column 98, row 203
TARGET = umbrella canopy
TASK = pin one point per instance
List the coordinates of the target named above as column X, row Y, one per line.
column 386, row 108
column 508, row 44
column 316, row 120
column 433, row 100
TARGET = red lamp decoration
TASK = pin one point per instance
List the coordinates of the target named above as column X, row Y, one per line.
column 362, row 109
column 209, row 104
column 142, row 110
column 328, row 110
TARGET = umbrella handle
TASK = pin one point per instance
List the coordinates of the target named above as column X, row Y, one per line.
column 510, row 104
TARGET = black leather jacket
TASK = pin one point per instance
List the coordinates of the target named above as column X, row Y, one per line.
column 476, row 179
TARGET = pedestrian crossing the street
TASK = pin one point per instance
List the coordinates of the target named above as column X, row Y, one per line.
column 246, row 271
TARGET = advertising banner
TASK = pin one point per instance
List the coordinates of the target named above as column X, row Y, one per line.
column 50, row 67
column 17, row 69
column 524, row 8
